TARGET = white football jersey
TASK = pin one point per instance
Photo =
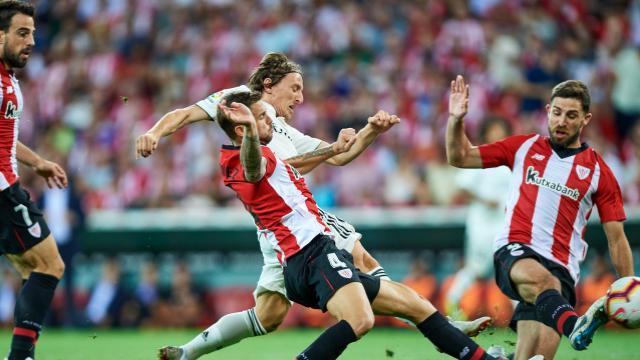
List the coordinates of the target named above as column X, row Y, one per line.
column 287, row 141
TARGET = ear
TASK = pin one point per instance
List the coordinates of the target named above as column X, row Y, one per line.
column 587, row 119
column 267, row 83
column 3, row 36
column 548, row 107
column 239, row 131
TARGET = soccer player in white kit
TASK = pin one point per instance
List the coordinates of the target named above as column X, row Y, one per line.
column 485, row 215
column 280, row 81
column 555, row 183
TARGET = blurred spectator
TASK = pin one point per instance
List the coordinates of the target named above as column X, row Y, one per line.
column 107, row 297
column 9, row 288
column 420, row 279
column 147, row 291
column 182, row 304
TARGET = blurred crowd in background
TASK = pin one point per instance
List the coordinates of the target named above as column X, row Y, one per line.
column 104, row 71
column 185, row 291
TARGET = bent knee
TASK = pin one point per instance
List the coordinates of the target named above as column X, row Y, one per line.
column 361, row 324
column 54, row 268
column 272, row 321
column 271, row 309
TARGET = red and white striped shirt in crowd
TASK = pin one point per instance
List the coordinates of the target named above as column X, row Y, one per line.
column 551, row 197
column 10, row 110
column 281, row 205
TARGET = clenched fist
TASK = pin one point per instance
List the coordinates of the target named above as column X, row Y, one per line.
column 146, row 144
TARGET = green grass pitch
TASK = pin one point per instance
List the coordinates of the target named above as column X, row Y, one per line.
column 381, row 344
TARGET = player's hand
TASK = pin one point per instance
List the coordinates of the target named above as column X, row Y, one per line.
column 238, row 113
column 146, row 144
column 52, row 173
column 382, row 121
column 459, row 98
column 346, row 139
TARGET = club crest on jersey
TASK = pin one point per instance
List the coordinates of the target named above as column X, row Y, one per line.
column 11, row 112
column 582, row 172
column 345, row 273
column 533, row 177
column 34, row 230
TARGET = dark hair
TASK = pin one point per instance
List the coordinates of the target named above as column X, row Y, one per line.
column 9, row 8
column 573, row 89
column 274, row 66
column 246, row 98
column 489, row 122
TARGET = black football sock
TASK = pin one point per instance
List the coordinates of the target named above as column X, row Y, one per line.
column 331, row 343
column 450, row 340
column 31, row 307
column 553, row 310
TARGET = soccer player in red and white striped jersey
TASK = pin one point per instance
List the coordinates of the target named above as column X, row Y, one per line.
column 316, row 273
column 556, row 180
column 25, row 238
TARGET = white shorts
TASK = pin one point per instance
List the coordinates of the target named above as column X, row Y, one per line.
column 272, row 278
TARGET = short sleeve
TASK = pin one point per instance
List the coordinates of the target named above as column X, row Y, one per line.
column 210, row 103
column 608, row 197
column 502, row 152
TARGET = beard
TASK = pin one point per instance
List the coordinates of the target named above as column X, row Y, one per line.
column 566, row 142
column 13, row 59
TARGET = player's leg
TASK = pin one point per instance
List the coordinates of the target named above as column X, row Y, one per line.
column 42, row 266
column 322, row 276
column 535, row 338
column 351, row 307
column 271, row 308
column 396, row 299
column 537, row 285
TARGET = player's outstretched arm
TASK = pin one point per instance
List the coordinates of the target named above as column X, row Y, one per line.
column 376, row 125
column 52, row 173
column 308, row 161
column 460, row 152
column 254, row 165
column 172, row 121
column 619, row 249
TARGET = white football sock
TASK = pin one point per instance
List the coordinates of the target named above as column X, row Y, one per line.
column 228, row 330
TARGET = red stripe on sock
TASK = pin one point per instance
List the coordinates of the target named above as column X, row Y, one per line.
column 563, row 318
column 25, row 332
column 478, row 354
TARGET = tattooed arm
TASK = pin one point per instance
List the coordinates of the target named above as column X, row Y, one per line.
column 308, row 161
column 254, row 165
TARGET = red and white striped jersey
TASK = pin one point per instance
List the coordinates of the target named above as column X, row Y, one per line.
column 10, row 110
column 551, row 197
column 281, row 205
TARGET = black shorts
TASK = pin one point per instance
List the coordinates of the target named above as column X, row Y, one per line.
column 314, row 274
column 503, row 261
column 22, row 224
